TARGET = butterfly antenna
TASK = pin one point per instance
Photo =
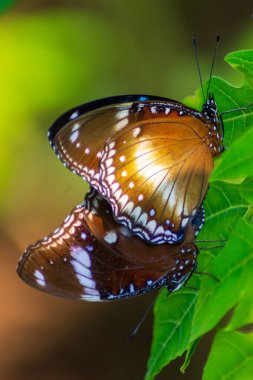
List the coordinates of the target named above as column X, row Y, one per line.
column 137, row 327
column 214, row 56
column 194, row 43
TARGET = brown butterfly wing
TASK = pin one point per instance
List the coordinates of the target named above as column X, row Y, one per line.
column 91, row 257
column 78, row 136
column 60, row 263
column 155, row 173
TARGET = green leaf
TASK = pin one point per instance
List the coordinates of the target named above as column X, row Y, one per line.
column 190, row 351
column 224, row 206
column 243, row 314
column 246, row 190
column 242, row 61
column 231, row 357
column 228, row 216
column 172, row 328
column 233, row 267
column 238, row 161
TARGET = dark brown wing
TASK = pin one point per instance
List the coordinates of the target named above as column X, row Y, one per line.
column 91, row 257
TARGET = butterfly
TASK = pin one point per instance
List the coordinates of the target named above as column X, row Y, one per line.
column 92, row 257
column 149, row 157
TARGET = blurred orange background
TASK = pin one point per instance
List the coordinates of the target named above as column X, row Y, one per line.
column 55, row 55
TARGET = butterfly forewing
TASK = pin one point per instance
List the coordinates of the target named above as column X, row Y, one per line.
column 155, row 172
column 78, row 137
column 92, row 257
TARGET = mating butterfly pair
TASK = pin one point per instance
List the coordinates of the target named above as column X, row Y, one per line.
column 149, row 157
column 147, row 160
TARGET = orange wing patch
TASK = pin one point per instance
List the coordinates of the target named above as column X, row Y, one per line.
column 155, row 175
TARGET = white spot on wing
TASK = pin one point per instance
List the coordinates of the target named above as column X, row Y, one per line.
column 111, row 145
column 172, row 199
column 86, row 282
column 68, row 220
column 151, row 226
column 129, row 207
column 152, row 212
column 121, row 124
column 110, row 170
column 74, row 136
column 75, row 127
column 114, row 187
column 111, row 153
column 184, row 222
column 110, row 179
column 81, row 263
column 136, row 213
column 111, row 237
column 122, row 114
column 74, row 115
column 79, row 268
column 136, row 131
column 40, row 278
column 108, row 162
column 140, row 197
column 117, row 194
column 81, row 255
column 143, row 219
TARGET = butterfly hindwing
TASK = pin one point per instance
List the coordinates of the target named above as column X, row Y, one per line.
column 91, row 257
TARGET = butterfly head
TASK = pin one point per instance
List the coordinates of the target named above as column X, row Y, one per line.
column 215, row 125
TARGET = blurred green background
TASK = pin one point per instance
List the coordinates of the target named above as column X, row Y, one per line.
column 55, row 55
